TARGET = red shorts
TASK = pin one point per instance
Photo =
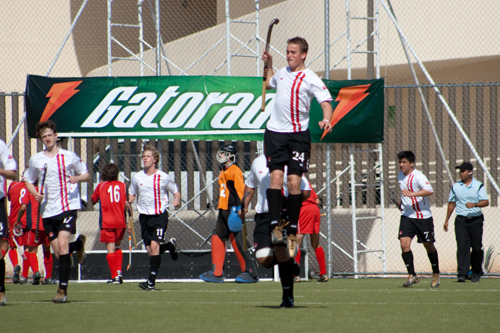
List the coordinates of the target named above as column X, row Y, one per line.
column 309, row 220
column 112, row 235
column 42, row 238
column 20, row 240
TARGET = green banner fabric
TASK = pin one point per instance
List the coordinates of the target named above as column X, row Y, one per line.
column 191, row 107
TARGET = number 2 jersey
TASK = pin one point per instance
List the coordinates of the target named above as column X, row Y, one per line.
column 231, row 187
column 112, row 197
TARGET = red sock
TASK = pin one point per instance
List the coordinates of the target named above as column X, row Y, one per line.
column 111, row 258
column 119, row 260
column 218, row 255
column 297, row 257
column 33, row 259
column 48, row 262
column 241, row 260
column 320, row 256
column 13, row 257
column 26, row 264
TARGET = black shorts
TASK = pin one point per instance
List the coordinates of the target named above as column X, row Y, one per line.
column 262, row 232
column 64, row 221
column 221, row 226
column 153, row 227
column 4, row 222
column 292, row 149
column 423, row 228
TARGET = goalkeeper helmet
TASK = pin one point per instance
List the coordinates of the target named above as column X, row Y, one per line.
column 226, row 153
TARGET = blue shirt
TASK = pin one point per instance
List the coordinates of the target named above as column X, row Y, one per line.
column 462, row 194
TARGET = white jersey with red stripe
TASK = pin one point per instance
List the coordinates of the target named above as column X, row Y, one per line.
column 7, row 162
column 260, row 178
column 294, row 93
column 153, row 191
column 415, row 207
column 59, row 194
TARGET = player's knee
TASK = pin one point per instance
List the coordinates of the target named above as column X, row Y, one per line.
column 265, row 257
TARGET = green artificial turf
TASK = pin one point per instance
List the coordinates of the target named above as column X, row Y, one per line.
column 339, row 305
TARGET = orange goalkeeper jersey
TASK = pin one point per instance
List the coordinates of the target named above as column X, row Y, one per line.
column 231, row 187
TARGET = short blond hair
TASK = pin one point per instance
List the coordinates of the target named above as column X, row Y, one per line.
column 156, row 153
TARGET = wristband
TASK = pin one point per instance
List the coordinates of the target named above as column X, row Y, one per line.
column 476, row 204
column 326, row 120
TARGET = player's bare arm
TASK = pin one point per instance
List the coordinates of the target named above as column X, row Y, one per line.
column 80, row 178
column 268, row 59
column 449, row 211
column 8, row 174
column 177, row 200
column 246, row 201
column 327, row 116
column 421, row 193
column 31, row 188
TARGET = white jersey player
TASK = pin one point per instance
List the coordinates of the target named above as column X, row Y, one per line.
column 60, row 198
column 415, row 207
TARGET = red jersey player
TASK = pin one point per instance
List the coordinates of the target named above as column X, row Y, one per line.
column 111, row 193
column 309, row 223
column 17, row 195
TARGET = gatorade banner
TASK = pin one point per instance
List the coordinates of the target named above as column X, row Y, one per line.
column 192, row 107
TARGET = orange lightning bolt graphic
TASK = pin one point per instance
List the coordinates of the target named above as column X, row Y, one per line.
column 59, row 94
column 349, row 97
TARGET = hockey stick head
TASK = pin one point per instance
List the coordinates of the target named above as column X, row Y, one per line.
column 394, row 201
column 18, row 230
column 269, row 31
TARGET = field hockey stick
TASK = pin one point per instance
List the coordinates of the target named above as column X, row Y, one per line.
column 40, row 204
column 394, row 201
column 18, row 248
column 131, row 226
column 244, row 225
column 264, row 77
column 18, row 230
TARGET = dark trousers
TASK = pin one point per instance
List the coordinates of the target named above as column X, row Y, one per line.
column 469, row 234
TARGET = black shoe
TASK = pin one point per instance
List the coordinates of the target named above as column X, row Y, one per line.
column 287, row 302
column 16, row 276
column 171, row 249
column 461, row 279
column 147, row 286
column 36, row 278
column 475, row 277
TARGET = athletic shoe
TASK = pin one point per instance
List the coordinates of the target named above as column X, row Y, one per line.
column 475, row 277
column 116, row 280
column 17, row 270
column 291, row 246
column 277, row 236
column 461, row 279
column 296, row 279
column 48, row 281
column 3, row 298
column 246, row 277
column 61, row 296
column 172, row 250
column 412, row 279
column 210, row 277
column 436, row 280
column 323, row 278
column 23, row 280
column 287, row 302
column 80, row 254
column 36, row 278
column 147, row 286
column 120, row 278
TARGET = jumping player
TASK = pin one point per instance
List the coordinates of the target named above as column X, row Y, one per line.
column 152, row 186
column 267, row 253
column 230, row 195
column 287, row 139
column 416, row 217
column 17, row 195
column 309, row 223
column 112, row 195
column 8, row 170
column 60, row 200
